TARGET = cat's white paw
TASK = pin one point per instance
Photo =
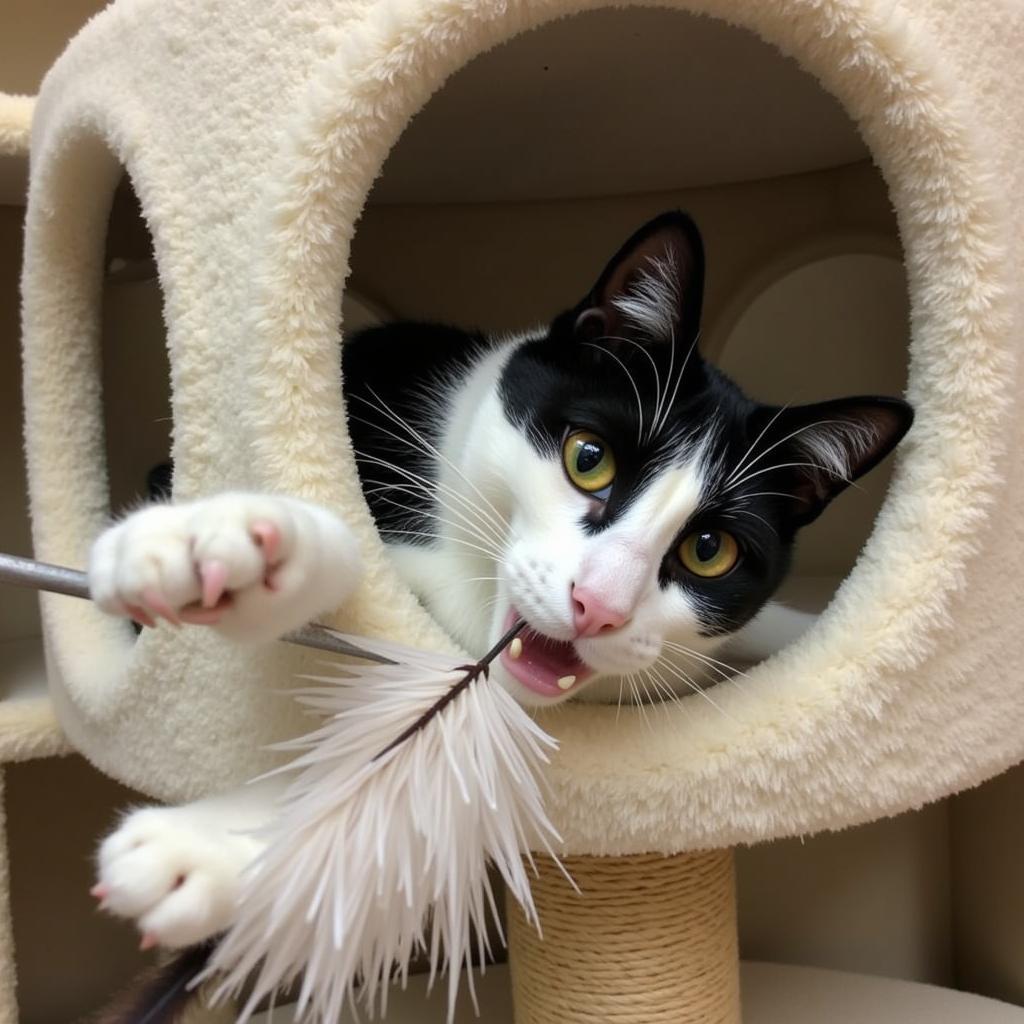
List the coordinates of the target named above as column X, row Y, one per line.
column 174, row 872
column 253, row 565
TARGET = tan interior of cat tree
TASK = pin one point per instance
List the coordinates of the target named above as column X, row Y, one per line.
column 420, row 252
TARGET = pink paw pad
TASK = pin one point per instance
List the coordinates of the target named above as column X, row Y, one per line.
column 214, row 577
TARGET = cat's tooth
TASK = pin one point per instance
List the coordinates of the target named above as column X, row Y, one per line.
column 566, row 682
column 515, row 648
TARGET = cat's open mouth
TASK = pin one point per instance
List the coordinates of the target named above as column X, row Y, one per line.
column 550, row 668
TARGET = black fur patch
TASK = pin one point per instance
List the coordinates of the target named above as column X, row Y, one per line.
column 392, row 375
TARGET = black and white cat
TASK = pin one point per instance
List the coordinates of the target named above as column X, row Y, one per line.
column 597, row 477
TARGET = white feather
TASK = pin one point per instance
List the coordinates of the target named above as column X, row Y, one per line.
column 372, row 861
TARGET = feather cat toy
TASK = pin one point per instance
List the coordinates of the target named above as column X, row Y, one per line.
column 397, row 803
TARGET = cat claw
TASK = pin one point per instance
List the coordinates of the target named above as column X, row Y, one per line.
column 214, row 577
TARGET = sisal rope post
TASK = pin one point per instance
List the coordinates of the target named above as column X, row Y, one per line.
column 650, row 939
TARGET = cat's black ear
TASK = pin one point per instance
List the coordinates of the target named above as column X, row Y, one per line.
column 823, row 448
column 654, row 285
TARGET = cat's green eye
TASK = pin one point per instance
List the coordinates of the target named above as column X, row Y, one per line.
column 588, row 461
column 709, row 553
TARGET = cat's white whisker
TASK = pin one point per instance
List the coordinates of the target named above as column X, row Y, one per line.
column 833, row 454
column 437, row 492
column 734, row 678
column 684, row 678
column 431, row 488
column 470, row 582
column 738, row 468
column 730, row 672
column 636, row 391
column 767, row 494
column 469, row 579
column 434, row 490
column 780, row 465
column 483, row 539
column 649, row 701
column 426, row 535
column 679, row 377
column 662, row 688
column 754, row 515
column 654, row 369
column 438, row 454
column 491, row 602
column 662, row 409
column 638, row 700
column 618, row 703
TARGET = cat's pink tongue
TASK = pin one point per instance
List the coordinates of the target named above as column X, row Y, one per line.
column 548, row 667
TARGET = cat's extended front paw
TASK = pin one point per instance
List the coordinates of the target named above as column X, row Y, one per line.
column 176, row 875
column 254, row 565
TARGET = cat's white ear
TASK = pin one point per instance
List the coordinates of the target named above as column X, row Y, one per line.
column 823, row 448
column 652, row 287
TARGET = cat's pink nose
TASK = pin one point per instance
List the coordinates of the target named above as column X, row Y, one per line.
column 591, row 615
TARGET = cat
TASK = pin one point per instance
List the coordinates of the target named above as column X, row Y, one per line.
column 597, row 477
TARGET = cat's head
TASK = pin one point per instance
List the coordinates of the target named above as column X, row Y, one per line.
column 656, row 503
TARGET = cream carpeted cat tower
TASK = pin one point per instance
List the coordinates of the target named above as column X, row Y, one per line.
column 252, row 132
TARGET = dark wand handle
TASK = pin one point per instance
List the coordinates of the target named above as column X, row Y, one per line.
column 473, row 673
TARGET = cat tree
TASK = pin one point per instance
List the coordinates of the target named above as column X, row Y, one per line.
column 252, row 133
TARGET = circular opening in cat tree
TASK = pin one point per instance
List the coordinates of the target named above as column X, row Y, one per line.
column 506, row 194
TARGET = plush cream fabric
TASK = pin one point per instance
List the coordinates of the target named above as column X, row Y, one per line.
column 253, row 131
column 28, row 727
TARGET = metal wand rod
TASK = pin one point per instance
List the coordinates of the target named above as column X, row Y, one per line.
column 58, row 579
